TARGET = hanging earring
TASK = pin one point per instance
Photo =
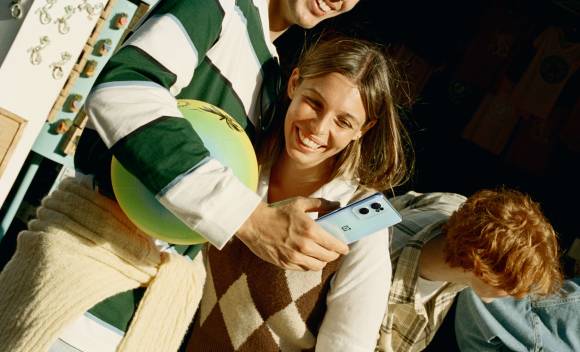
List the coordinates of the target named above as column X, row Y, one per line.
column 89, row 69
column 45, row 17
column 57, row 70
column 35, row 57
column 103, row 47
column 63, row 27
column 91, row 9
column 16, row 9
column 120, row 20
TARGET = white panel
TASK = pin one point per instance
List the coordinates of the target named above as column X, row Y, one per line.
column 30, row 90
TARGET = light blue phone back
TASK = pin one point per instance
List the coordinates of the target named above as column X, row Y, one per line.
column 361, row 218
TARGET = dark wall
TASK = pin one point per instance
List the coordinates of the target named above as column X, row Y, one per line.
column 458, row 55
column 462, row 53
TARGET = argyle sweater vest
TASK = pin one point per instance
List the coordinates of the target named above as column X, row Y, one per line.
column 251, row 305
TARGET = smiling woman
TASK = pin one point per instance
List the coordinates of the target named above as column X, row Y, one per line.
column 341, row 116
column 325, row 115
column 339, row 137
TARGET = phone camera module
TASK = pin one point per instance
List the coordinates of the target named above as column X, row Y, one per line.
column 363, row 211
column 377, row 207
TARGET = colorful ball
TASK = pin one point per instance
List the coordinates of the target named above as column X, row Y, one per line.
column 226, row 141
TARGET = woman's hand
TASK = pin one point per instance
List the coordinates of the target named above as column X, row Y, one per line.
column 284, row 235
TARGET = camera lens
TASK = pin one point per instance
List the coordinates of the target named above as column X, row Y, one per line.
column 363, row 211
column 376, row 205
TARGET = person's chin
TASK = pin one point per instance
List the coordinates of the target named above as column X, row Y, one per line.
column 302, row 155
column 309, row 25
column 309, row 22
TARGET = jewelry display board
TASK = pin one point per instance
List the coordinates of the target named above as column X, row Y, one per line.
column 49, row 43
column 53, row 132
column 52, row 39
column 58, row 144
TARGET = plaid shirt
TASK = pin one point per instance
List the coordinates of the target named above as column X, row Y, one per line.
column 409, row 324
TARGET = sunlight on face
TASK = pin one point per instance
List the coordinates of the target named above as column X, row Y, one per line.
column 325, row 114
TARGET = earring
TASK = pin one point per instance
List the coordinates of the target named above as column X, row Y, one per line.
column 91, row 9
column 35, row 57
column 119, row 21
column 63, row 27
column 57, row 70
column 16, row 9
column 89, row 69
column 45, row 17
column 103, row 47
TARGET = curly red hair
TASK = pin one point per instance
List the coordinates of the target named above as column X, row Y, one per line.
column 503, row 237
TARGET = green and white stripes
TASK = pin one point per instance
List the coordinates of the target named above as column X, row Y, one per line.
column 210, row 50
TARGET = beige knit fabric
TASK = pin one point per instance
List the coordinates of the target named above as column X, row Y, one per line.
column 80, row 250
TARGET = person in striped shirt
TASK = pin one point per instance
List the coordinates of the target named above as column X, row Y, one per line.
column 220, row 52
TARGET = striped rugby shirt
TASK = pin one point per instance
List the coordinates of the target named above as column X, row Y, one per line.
column 216, row 51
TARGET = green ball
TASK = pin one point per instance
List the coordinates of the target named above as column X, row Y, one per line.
column 226, row 141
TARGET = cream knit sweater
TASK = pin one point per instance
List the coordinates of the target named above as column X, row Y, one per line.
column 80, row 250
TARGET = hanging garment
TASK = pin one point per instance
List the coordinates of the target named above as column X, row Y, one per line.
column 555, row 61
column 491, row 48
column 492, row 125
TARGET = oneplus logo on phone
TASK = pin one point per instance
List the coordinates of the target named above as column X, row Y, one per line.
column 346, row 228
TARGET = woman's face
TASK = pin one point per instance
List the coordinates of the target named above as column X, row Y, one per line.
column 325, row 114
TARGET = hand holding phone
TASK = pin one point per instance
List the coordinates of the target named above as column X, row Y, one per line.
column 360, row 219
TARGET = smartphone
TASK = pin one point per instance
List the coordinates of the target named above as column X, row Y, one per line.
column 360, row 219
